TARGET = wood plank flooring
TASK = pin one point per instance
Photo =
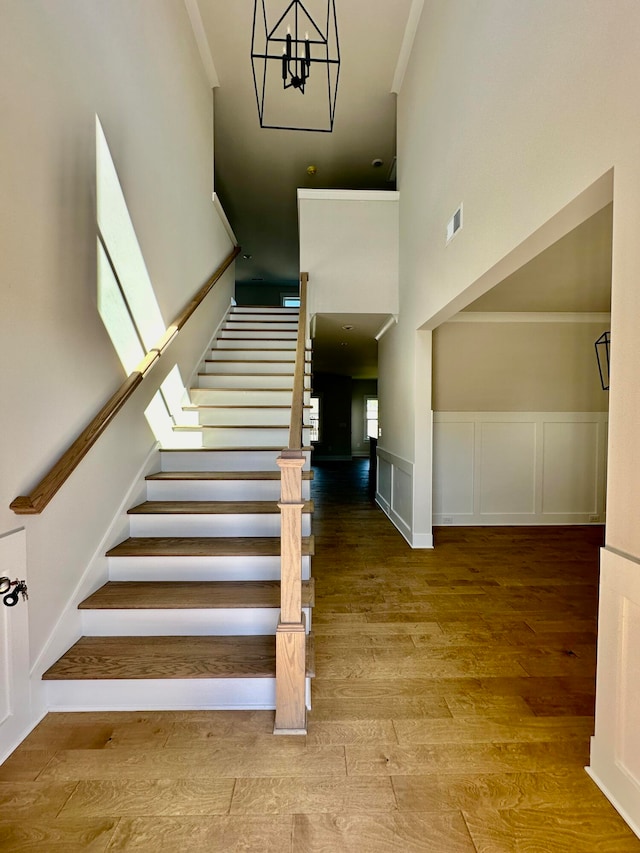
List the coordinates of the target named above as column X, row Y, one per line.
column 452, row 709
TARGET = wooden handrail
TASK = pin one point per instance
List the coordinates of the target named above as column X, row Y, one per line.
column 291, row 712
column 54, row 479
column 297, row 403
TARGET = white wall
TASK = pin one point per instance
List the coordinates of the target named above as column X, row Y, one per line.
column 137, row 66
column 518, row 109
column 349, row 247
column 517, row 366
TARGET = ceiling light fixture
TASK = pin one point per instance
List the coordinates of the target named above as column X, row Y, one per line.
column 295, row 53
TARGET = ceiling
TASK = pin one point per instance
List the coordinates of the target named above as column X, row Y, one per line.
column 258, row 170
column 573, row 274
column 347, row 351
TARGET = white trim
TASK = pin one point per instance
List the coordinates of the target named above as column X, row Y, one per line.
column 68, row 628
column 468, row 474
column 203, row 42
column 392, row 321
column 530, row 317
column 24, row 733
column 410, row 31
column 624, row 814
column 422, row 540
column 348, row 195
column 615, row 760
column 397, row 461
column 223, row 217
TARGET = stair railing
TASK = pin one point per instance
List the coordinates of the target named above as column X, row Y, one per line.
column 291, row 706
column 59, row 473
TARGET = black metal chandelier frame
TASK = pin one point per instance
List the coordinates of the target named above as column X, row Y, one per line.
column 296, row 57
column 603, row 354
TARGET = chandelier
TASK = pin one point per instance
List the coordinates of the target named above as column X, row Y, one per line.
column 291, row 51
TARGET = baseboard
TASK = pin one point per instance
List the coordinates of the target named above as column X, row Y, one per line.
column 422, row 540
column 398, row 522
column 68, row 628
column 624, row 814
column 24, row 732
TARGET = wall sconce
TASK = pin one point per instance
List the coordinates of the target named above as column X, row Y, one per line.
column 603, row 345
column 11, row 598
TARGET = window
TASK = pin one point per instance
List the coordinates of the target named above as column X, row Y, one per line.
column 290, row 301
column 370, row 417
column 314, row 419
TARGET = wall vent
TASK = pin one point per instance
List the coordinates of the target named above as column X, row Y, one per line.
column 454, row 224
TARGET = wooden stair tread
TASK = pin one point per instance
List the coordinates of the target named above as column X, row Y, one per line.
column 198, row 427
column 194, row 407
column 210, row 508
column 242, row 318
column 221, row 475
column 204, row 546
column 250, row 360
column 244, row 373
column 225, row 449
column 167, row 657
column 247, row 349
column 189, row 595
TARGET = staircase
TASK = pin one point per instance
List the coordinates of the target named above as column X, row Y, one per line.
column 189, row 614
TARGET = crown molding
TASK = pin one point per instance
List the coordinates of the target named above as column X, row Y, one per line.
column 203, row 42
column 530, row 317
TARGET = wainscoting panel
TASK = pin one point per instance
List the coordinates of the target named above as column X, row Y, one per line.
column 570, row 468
column 615, row 748
column 519, row 467
column 394, row 491
column 453, row 474
column 507, row 481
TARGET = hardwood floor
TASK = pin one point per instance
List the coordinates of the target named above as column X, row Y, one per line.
column 452, row 710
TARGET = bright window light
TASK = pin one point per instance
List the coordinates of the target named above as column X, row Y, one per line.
column 370, row 417
column 120, row 241
column 116, row 317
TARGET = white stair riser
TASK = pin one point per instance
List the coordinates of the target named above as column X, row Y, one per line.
column 287, row 368
column 236, row 460
column 257, row 334
column 263, row 311
column 250, row 381
column 199, row 568
column 246, row 524
column 249, row 325
column 150, row 694
column 218, row 490
column 243, row 397
column 249, row 437
column 252, row 354
column 223, row 344
column 218, row 416
column 221, row 622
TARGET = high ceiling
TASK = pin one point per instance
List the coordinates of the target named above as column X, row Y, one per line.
column 258, row 170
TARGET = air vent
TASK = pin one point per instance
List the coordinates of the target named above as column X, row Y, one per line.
column 454, row 224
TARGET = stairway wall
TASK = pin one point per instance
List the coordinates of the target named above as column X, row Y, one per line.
column 137, row 66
